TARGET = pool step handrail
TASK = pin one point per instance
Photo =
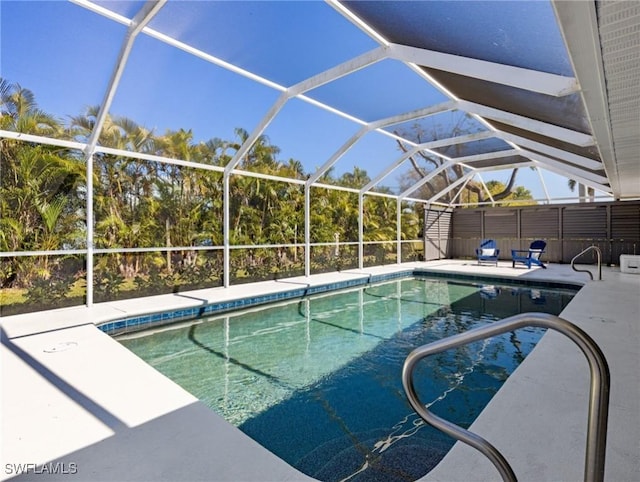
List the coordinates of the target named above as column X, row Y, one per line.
column 598, row 400
column 598, row 252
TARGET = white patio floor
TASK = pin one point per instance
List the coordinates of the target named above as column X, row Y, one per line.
column 74, row 396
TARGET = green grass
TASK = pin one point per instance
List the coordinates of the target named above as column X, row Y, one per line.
column 12, row 296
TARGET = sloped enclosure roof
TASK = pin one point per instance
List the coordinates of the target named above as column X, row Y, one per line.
column 550, row 85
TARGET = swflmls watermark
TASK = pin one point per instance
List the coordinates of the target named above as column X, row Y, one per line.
column 51, row 468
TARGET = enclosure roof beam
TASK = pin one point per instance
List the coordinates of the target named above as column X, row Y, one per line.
column 578, row 22
column 479, row 176
column 585, row 177
column 544, row 185
column 531, row 80
column 453, row 200
column 337, row 155
column 452, row 141
column 144, row 16
column 105, row 12
column 533, row 125
column 551, row 151
column 334, row 73
column 486, row 156
column 426, row 178
column 504, row 167
column 389, row 169
column 426, row 147
column 587, row 182
column 257, row 132
column 452, row 186
column 415, row 114
column 177, row 44
column 298, row 89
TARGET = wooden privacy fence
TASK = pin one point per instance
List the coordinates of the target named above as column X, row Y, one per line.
column 568, row 229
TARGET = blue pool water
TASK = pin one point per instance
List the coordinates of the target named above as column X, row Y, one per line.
column 318, row 381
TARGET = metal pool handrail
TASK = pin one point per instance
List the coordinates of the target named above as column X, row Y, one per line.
column 598, row 252
column 598, row 399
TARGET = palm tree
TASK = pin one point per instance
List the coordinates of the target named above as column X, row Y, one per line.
column 357, row 179
column 379, row 219
column 124, row 205
column 40, row 187
column 20, row 112
column 261, row 155
column 294, row 169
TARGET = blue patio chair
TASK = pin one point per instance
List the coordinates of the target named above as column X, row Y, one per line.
column 487, row 252
column 532, row 255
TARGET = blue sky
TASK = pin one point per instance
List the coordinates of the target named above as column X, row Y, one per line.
column 65, row 55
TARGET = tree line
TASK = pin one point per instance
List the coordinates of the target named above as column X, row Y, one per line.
column 149, row 204
column 145, row 204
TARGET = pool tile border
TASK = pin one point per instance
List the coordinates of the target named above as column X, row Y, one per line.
column 131, row 324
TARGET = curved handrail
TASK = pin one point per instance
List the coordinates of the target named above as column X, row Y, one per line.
column 598, row 400
column 598, row 252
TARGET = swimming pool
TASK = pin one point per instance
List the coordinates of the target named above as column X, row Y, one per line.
column 318, row 381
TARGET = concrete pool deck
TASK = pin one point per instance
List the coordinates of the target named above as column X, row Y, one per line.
column 77, row 401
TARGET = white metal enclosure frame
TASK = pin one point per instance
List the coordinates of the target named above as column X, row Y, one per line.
column 525, row 135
